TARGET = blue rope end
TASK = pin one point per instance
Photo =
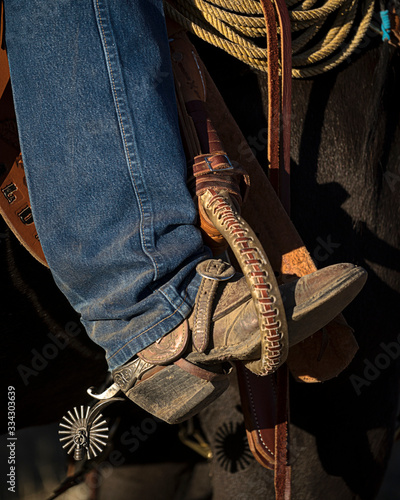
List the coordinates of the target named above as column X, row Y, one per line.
column 385, row 26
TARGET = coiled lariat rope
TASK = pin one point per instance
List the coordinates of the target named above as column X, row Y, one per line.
column 234, row 26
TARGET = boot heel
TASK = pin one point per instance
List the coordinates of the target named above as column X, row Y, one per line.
column 173, row 394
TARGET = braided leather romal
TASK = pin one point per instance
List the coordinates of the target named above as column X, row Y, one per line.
column 260, row 278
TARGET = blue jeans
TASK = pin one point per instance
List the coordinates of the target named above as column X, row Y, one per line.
column 105, row 167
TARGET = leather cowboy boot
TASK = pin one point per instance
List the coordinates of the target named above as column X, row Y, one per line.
column 187, row 369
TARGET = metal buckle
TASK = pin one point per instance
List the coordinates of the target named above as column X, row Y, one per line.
column 208, row 163
column 213, row 274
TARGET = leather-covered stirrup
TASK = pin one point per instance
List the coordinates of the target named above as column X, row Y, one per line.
column 218, row 186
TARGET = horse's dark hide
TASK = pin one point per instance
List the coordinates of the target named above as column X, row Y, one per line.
column 346, row 166
column 345, row 191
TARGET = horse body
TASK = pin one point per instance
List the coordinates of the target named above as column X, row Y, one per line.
column 345, row 186
column 345, row 168
column 345, row 173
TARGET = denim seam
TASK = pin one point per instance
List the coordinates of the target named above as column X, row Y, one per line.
column 153, row 326
column 168, row 298
column 123, row 133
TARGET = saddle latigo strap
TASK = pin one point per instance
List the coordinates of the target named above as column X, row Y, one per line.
column 263, row 404
column 271, row 446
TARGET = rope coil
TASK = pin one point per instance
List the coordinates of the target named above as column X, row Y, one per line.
column 235, row 26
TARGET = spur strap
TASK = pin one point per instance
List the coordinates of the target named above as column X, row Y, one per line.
column 173, row 345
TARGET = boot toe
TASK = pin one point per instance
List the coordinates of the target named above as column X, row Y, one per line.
column 316, row 299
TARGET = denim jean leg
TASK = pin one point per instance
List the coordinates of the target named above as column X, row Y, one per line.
column 106, row 172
